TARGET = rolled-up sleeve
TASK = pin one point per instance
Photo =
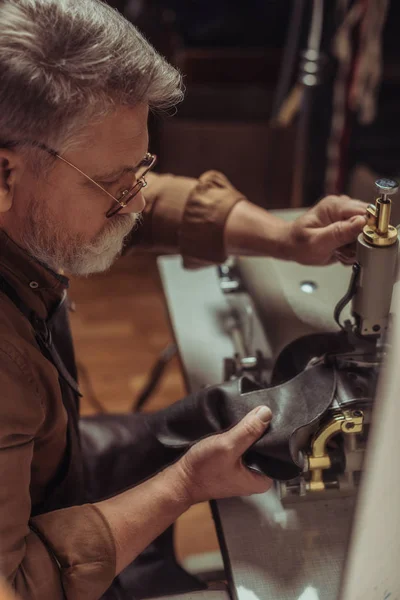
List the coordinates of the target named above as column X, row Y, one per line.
column 68, row 553
column 81, row 542
column 187, row 216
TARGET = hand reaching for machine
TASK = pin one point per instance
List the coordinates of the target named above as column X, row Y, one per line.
column 326, row 233
column 322, row 235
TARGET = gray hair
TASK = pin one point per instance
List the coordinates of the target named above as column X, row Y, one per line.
column 64, row 63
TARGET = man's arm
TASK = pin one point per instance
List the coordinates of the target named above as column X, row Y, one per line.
column 207, row 220
column 312, row 239
column 187, row 216
column 211, row 469
column 78, row 551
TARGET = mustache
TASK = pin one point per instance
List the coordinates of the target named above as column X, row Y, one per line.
column 46, row 239
column 118, row 228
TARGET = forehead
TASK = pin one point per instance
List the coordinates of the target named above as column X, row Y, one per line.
column 121, row 135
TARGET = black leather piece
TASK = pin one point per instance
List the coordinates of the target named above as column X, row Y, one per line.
column 294, row 358
column 296, row 405
column 357, row 385
column 134, row 447
column 120, row 451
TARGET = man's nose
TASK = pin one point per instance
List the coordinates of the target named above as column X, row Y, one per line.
column 136, row 205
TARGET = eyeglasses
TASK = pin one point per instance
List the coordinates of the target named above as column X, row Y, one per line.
column 127, row 195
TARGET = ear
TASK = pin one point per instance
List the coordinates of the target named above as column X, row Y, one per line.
column 10, row 174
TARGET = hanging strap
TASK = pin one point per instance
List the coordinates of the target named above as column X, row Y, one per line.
column 348, row 295
column 42, row 333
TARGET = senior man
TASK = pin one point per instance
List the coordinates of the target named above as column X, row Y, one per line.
column 76, row 84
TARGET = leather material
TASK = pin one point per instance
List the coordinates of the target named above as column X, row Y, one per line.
column 297, row 407
column 120, row 451
column 133, row 447
column 295, row 357
column 161, row 438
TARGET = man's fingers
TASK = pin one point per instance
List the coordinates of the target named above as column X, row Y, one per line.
column 341, row 233
column 249, row 429
column 339, row 208
column 352, row 208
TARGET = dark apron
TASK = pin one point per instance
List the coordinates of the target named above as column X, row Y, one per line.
column 67, row 488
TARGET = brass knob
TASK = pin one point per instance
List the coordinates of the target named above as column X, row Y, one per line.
column 379, row 231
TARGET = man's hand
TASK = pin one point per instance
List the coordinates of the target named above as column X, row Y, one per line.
column 325, row 233
column 322, row 235
column 213, row 468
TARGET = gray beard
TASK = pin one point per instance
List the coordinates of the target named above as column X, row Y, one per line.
column 71, row 253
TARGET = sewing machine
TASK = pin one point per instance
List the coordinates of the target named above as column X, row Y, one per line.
column 240, row 320
column 302, row 330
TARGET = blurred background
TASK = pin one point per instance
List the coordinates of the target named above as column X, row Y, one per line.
column 241, row 62
column 291, row 99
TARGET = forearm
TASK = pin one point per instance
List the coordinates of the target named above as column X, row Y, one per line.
column 137, row 516
column 253, row 231
column 188, row 216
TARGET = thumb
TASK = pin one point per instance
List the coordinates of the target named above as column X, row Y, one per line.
column 249, row 429
column 341, row 233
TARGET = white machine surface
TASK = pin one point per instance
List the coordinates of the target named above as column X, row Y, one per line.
column 372, row 567
column 299, row 553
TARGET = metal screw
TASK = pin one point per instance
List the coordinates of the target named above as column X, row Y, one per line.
column 386, row 187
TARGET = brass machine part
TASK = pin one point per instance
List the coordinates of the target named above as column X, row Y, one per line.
column 376, row 256
column 346, row 421
column 378, row 231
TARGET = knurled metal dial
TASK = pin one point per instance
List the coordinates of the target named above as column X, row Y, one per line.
column 386, row 187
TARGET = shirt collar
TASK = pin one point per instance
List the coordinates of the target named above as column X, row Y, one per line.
column 37, row 285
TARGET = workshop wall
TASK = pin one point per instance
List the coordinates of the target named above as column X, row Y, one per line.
column 231, row 55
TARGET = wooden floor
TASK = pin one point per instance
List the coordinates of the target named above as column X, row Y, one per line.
column 120, row 326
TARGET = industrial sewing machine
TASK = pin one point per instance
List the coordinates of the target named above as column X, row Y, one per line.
column 302, row 329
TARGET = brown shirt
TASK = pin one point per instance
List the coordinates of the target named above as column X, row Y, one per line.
column 182, row 215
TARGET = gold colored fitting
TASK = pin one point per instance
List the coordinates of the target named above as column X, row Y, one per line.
column 374, row 238
column 346, row 421
column 319, row 462
column 378, row 231
column 383, row 216
column 316, row 486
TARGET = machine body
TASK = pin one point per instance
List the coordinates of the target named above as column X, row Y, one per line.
column 348, row 421
column 333, row 455
column 376, row 256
